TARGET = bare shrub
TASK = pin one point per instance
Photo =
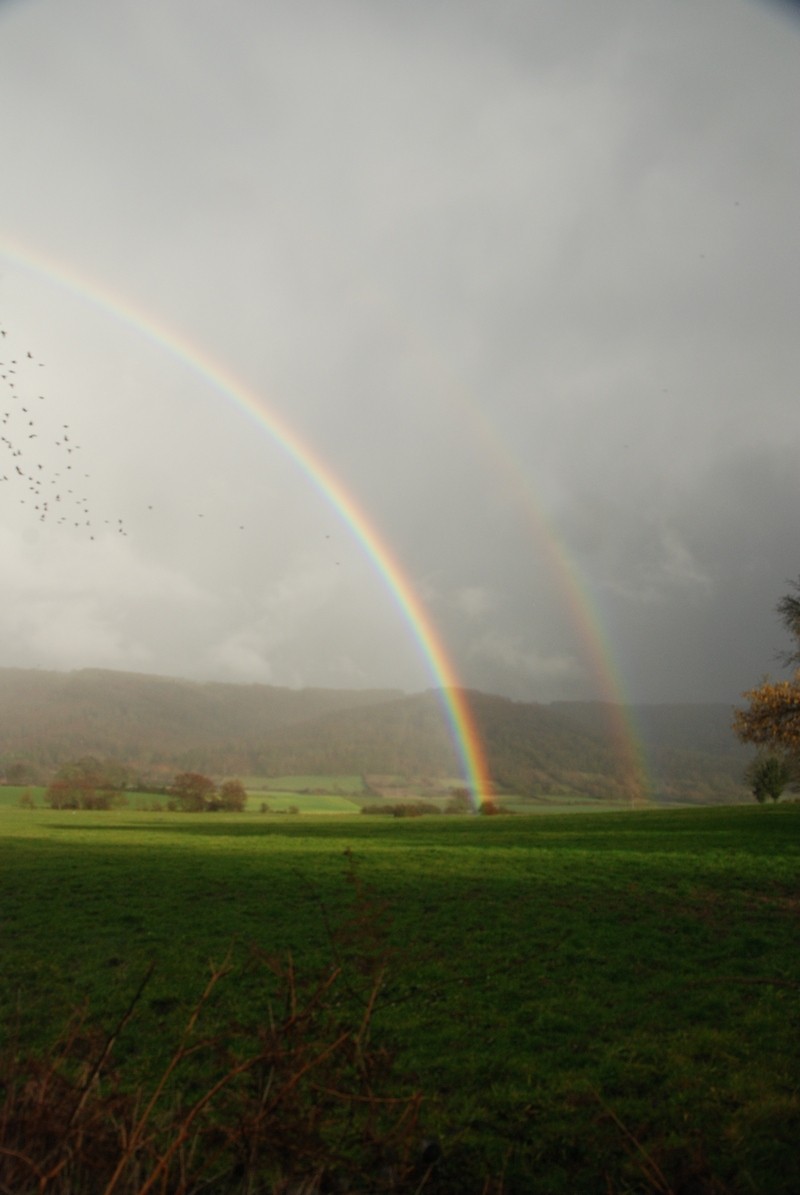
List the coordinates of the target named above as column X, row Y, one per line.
column 302, row 1102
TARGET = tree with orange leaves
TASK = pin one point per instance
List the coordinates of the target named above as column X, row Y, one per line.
column 773, row 715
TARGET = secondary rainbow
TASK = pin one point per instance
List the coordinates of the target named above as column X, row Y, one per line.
column 442, row 671
column 508, row 470
column 584, row 618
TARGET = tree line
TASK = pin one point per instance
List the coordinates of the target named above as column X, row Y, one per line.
column 771, row 720
column 89, row 783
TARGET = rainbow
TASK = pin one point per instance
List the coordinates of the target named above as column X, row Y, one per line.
column 454, row 701
column 626, row 740
column 470, row 413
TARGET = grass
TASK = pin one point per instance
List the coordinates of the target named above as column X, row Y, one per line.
column 587, row 1003
column 319, row 803
column 10, row 794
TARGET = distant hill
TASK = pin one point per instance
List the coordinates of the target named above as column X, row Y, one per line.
column 689, row 748
column 158, row 725
column 49, row 717
column 683, row 726
column 529, row 749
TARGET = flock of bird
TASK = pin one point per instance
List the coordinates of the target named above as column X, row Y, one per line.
column 51, row 484
column 40, row 461
column 39, row 457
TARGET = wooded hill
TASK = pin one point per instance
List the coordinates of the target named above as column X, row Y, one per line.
column 689, row 749
column 158, row 725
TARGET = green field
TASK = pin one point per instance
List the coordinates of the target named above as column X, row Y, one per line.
column 586, row 1003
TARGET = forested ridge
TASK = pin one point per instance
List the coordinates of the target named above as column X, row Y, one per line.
column 154, row 725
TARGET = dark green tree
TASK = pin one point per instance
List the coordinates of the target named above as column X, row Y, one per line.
column 768, row 776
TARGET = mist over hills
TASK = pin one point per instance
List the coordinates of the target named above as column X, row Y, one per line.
column 157, row 725
column 688, row 748
column 694, row 726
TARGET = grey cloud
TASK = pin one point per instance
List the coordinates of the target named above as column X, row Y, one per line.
column 524, row 277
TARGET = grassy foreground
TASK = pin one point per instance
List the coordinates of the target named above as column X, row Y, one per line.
column 585, row 1003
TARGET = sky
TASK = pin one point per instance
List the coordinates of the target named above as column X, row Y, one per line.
column 521, row 280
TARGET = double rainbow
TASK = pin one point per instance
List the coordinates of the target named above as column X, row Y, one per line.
column 455, row 704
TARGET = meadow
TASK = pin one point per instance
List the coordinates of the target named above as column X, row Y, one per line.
column 584, row 1003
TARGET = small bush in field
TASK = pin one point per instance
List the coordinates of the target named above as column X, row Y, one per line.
column 402, row 808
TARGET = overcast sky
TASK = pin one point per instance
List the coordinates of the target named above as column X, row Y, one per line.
column 524, row 274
